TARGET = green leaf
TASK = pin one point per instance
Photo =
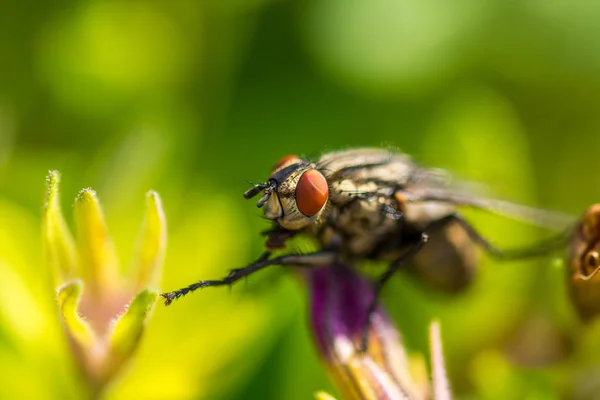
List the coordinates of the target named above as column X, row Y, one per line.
column 128, row 329
column 98, row 258
column 59, row 245
column 77, row 327
column 150, row 255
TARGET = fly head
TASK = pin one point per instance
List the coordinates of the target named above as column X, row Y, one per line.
column 295, row 194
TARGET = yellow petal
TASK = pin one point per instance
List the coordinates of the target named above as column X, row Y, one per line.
column 361, row 377
column 77, row 327
column 98, row 258
column 58, row 241
column 419, row 370
column 150, row 254
column 128, row 329
column 323, row 396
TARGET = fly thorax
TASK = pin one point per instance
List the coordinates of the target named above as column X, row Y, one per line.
column 364, row 225
column 346, row 190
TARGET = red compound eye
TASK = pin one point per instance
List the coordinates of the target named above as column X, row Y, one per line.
column 285, row 160
column 311, row 192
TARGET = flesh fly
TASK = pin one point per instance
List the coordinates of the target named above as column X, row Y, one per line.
column 374, row 204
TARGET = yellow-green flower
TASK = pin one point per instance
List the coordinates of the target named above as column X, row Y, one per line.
column 104, row 310
column 171, row 359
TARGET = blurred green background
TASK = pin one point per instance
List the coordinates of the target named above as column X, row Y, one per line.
column 194, row 98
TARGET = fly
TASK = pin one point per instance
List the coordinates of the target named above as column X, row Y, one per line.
column 375, row 204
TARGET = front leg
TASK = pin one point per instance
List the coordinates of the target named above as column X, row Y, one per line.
column 413, row 249
column 300, row 260
column 277, row 237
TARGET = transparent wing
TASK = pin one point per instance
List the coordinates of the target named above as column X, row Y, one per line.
column 543, row 218
column 432, row 185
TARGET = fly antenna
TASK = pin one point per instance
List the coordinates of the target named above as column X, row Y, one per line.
column 271, row 185
column 267, row 187
column 250, row 193
column 263, row 199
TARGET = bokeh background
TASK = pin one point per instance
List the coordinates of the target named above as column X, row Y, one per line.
column 195, row 98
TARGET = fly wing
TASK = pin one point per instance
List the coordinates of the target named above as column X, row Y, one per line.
column 439, row 186
column 382, row 172
column 459, row 197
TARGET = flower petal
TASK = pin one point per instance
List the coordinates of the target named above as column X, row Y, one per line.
column 340, row 299
column 128, row 329
column 441, row 386
column 150, row 255
column 323, row 396
column 98, row 258
column 77, row 327
column 59, row 245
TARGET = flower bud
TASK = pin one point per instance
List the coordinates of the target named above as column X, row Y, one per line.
column 104, row 312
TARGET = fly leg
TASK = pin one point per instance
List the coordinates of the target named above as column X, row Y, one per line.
column 414, row 249
column 537, row 250
column 301, row 260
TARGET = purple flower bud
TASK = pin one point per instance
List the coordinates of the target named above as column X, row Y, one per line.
column 339, row 300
